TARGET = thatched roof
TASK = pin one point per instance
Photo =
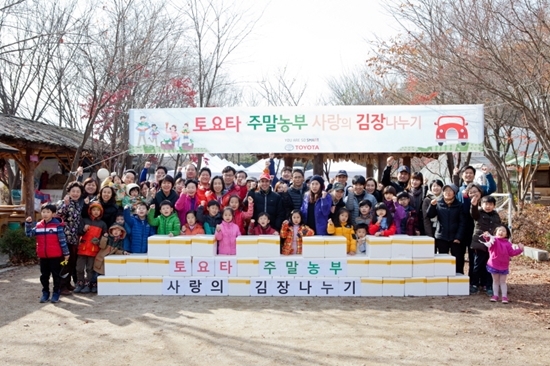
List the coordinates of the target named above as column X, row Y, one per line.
column 7, row 148
column 20, row 132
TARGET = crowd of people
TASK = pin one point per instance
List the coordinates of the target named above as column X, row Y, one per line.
column 117, row 216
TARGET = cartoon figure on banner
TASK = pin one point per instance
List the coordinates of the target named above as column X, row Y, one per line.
column 187, row 141
column 451, row 128
column 170, row 144
column 154, row 134
column 142, row 127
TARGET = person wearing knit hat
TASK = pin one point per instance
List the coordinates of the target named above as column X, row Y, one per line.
column 316, row 206
column 113, row 245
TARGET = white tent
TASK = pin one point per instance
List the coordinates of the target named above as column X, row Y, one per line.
column 350, row 167
column 437, row 169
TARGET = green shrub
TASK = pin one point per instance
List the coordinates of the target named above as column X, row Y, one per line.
column 20, row 248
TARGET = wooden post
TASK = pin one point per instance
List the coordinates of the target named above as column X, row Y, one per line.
column 27, row 186
column 318, row 164
column 407, row 162
column 381, row 165
column 370, row 170
column 289, row 161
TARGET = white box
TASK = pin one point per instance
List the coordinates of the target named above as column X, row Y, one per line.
column 378, row 247
column 180, row 267
column 108, row 286
column 283, row 286
column 260, row 286
column 204, row 246
column 459, row 285
column 349, row 286
column 401, row 268
column 415, row 286
column 137, row 265
column 393, row 287
column 180, row 246
column 325, row 286
column 423, row 247
column 151, row 286
column 239, row 286
column 157, row 266
column 225, row 266
column 444, row 265
column 379, row 267
column 423, row 267
column 158, row 246
column 437, row 286
column 336, row 246
column 172, row 286
column 247, row 246
column 401, row 246
column 269, row 246
column 130, row 285
column 371, row 286
column 358, row 266
column 216, row 286
column 115, row 265
column 313, row 247
column 334, row 267
column 204, row 266
column 248, row 267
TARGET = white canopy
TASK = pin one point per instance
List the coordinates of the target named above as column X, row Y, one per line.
column 350, row 167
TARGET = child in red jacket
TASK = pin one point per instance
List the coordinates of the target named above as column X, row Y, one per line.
column 382, row 224
column 241, row 216
column 263, row 227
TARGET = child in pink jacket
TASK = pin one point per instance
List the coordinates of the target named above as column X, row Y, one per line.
column 500, row 251
column 226, row 233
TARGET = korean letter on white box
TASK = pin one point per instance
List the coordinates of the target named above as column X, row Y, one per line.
column 283, row 286
column 291, row 265
column 393, row 287
column 358, row 267
column 415, row 286
column 217, row 286
column 180, row 246
column 313, row 247
column 349, row 286
column 459, row 285
column 379, row 267
column 174, row 286
column 195, row 286
column 158, row 246
column 204, row 246
column 248, row 267
column 180, row 267
column 270, row 267
column 151, row 285
column 137, row 265
column 371, row 286
column 337, row 267
column 226, row 266
column 108, row 286
column 238, row 286
column 335, row 246
column 269, row 246
column 204, row 266
column 157, row 266
column 247, row 246
column 437, row 286
column 304, row 286
column 115, row 265
column 325, row 286
column 259, row 286
column 311, row 267
column 378, row 247
column 423, row 247
column 401, row 246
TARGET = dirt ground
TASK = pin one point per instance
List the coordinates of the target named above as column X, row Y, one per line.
column 134, row 330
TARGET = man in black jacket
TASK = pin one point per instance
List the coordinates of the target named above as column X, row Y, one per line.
column 265, row 200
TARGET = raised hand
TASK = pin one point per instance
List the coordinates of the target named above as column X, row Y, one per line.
column 390, row 160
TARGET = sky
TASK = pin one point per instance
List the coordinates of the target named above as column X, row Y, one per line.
column 313, row 39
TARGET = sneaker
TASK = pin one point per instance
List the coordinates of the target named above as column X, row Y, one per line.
column 85, row 289
column 45, row 296
column 489, row 292
column 473, row 290
column 94, row 288
column 494, row 298
column 505, row 300
column 78, row 288
column 55, row 297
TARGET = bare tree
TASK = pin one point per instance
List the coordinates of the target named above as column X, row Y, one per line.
column 281, row 89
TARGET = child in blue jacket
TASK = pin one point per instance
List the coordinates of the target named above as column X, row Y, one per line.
column 139, row 228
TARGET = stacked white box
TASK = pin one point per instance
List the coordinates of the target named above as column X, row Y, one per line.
column 401, row 267
column 204, row 266
column 247, row 267
column 371, row 286
column 269, row 246
column 313, row 247
column 151, row 285
column 423, row 247
column 157, row 266
column 158, row 246
column 137, row 265
column 108, row 285
column 225, row 266
column 180, row 246
column 130, row 285
column 393, row 287
column 415, row 286
column 444, row 265
column 115, row 265
column 401, row 246
column 204, row 246
column 180, row 267
column 459, row 285
column 239, row 286
column 335, row 246
column 378, row 247
column 437, row 286
column 247, row 246
column 358, row 267
column 379, row 267
column 423, row 267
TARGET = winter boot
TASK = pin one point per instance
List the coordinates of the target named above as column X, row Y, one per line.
column 79, row 287
column 55, row 297
column 86, row 289
column 45, row 296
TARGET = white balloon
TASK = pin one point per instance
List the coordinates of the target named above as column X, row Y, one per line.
column 102, row 173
